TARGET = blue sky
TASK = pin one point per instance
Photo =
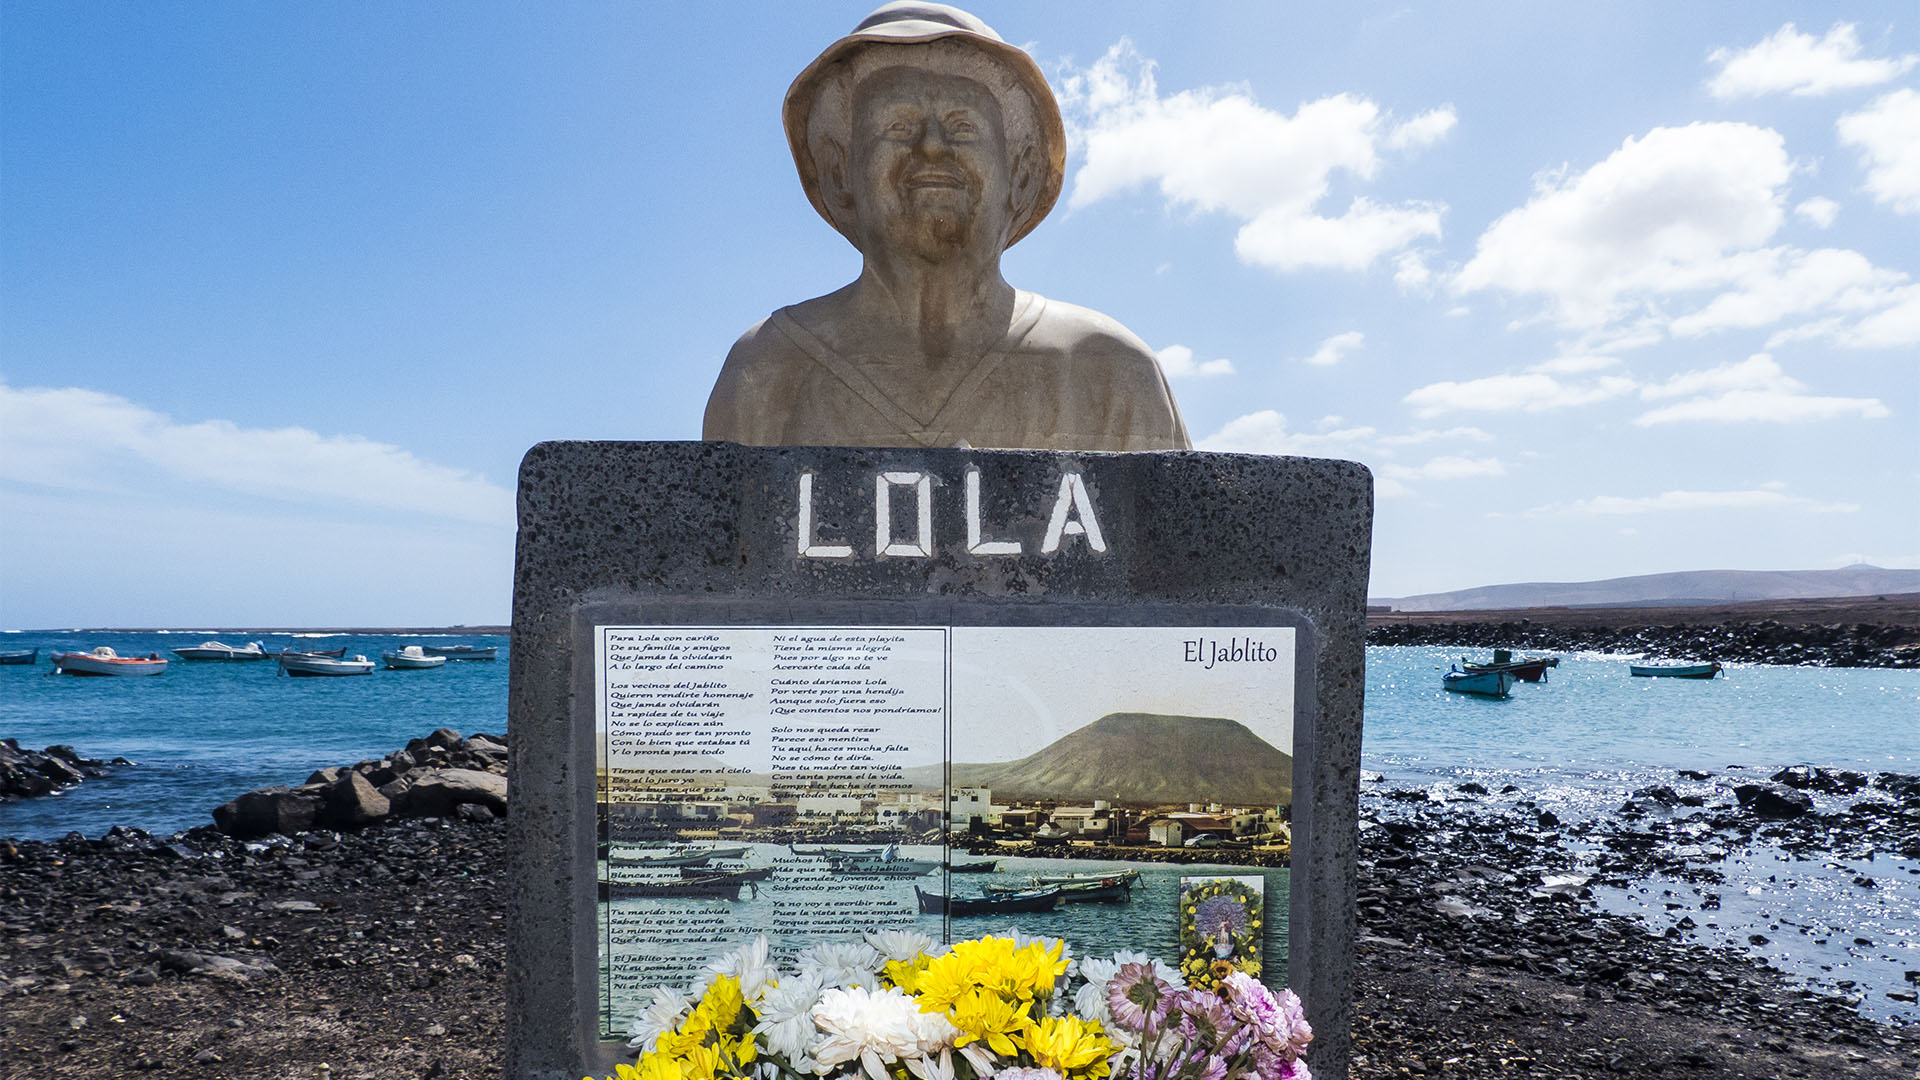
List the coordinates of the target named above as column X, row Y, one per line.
column 287, row 290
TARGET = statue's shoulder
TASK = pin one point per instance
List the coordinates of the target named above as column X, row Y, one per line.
column 1116, row 370
column 1093, row 338
column 763, row 366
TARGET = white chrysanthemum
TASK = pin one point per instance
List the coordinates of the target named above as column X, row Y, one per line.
column 1090, row 1003
column 663, row 1014
column 1168, row 974
column 749, row 964
column 786, row 1020
column 900, row 944
column 877, row 1028
column 1098, row 970
column 842, row 964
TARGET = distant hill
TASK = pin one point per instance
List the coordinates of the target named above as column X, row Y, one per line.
column 1678, row 589
column 1145, row 758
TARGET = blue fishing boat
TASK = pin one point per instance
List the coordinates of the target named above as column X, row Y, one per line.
column 20, row 656
column 1675, row 671
column 1484, row 683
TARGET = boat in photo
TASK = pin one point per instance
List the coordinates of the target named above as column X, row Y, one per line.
column 20, row 656
column 1113, row 890
column 216, row 650
column 307, row 664
column 1526, row 669
column 1676, row 671
column 1016, row 903
column 624, row 855
column 412, row 658
column 463, row 652
column 1127, row 876
column 712, row 887
column 332, row 654
column 104, row 661
column 889, row 863
column 1497, row 684
column 981, row 866
column 737, row 873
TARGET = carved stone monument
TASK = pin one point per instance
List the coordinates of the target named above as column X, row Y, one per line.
column 900, row 600
column 932, row 145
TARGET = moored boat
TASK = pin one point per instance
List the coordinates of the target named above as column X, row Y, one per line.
column 216, row 650
column 1526, row 669
column 1676, row 671
column 742, row 873
column 19, row 656
column 104, row 661
column 333, row 654
column 1113, row 890
column 981, row 866
column 1026, row 901
column 680, row 856
column 411, row 658
column 307, row 664
column 1496, row 684
column 1128, row 876
column 463, row 652
column 714, row 887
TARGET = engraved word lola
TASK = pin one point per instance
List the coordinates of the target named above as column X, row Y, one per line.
column 906, row 497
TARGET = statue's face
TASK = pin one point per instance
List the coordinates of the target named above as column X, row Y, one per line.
column 929, row 167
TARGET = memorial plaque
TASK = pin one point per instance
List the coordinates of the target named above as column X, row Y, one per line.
column 808, row 691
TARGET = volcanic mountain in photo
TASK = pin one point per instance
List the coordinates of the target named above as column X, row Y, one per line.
column 1145, row 758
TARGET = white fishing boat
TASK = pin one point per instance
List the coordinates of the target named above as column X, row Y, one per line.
column 104, row 661
column 412, row 658
column 308, row 664
column 679, row 856
column 464, row 652
column 216, row 650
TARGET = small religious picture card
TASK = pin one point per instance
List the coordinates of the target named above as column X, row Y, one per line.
column 1221, row 922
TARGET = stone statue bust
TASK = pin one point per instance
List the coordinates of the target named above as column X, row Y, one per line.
column 932, row 145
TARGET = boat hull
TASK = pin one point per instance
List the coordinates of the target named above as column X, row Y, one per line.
column 313, row 666
column 462, row 652
column 85, row 664
column 1674, row 671
column 25, row 656
column 1524, row 670
column 397, row 662
column 1494, row 684
column 1034, row 900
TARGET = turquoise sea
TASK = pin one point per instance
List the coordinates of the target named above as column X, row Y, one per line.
column 1579, row 744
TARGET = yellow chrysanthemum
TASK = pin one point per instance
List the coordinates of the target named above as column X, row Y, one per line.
column 719, row 1009
column 654, row 1066
column 993, row 963
column 984, row 1016
column 677, row 1044
column 905, row 974
column 1070, row 1046
column 704, row 1063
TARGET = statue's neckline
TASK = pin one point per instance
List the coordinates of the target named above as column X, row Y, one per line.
column 938, row 430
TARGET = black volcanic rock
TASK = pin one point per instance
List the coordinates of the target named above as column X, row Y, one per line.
column 1146, row 758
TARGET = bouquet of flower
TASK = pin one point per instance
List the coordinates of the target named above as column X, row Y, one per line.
column 898, row 1007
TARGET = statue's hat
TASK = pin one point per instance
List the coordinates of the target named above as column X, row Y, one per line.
column 909, row 22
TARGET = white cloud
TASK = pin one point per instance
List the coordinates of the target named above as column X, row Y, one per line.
column 1178, row 363
column 1617, row 252
column 1754, row 499
column 1658, row 215
column 1887, row 134
column 1778, row 283
column 1217, row 150
column 1819, row 211
column 1265, row 432
column 1410, row 271
column 1754, row 389
column 1788, row 61
column 1527, row 392
column 1335, row 349
column 72, row 437
column 1447, row 468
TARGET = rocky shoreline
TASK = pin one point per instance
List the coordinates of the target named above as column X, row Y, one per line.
column 28, row 774
column 1767, row 642
column 379, row 952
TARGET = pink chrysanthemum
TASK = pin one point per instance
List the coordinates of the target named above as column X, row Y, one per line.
column 1137, row 997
